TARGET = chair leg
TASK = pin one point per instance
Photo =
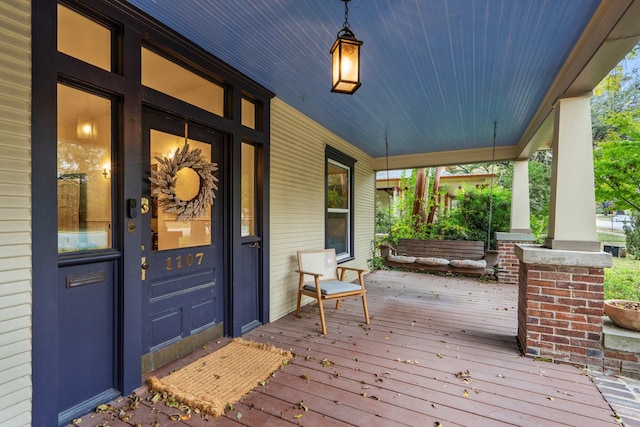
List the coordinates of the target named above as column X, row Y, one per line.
column 338, row 303
column 366, row 310
column 299, row 301
column 322, row 322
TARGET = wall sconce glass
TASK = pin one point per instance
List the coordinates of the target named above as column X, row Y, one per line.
column 86, row 128
column 106, row 171
column 346, row 59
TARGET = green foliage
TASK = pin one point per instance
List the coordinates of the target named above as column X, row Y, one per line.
column 383, row 217
column 376, row 262
column 472, row 213
column 615, row 112
column 632, row 235
column 617, row 164
column 622, row 281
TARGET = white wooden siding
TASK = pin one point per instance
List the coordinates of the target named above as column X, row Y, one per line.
column 298, row 199
column 15, row 212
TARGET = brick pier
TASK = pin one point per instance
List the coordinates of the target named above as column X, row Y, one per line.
column 561, row 304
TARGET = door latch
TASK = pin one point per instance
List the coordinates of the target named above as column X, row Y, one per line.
column 144, row 265
column 255, row 245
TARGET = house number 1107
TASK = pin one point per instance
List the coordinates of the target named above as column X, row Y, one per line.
column 187, row 260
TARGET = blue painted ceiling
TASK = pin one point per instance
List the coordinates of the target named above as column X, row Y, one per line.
column 435, row 74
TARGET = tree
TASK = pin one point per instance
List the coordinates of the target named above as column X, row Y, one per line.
column 615, row 110
column 617, row 162
column 472, row 213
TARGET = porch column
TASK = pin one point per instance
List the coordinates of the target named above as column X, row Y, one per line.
column 520, row 231
column 572, row 208
column 561, row 285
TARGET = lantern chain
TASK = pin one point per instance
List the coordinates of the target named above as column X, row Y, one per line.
column 346, row 14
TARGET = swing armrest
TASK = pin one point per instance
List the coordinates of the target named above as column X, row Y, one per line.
column 386, row 249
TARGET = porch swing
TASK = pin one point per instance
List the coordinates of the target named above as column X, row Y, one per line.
column 446, row 256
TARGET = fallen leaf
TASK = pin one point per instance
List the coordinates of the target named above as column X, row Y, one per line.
column 465, row 393
column 463, row 374
column 439, row 355
column 304, row 377
column 297, row 416
column 76, row 421
column 239, row 415
column 303, row 406
column 438, row 424
column 101, row 409
column 550, row 398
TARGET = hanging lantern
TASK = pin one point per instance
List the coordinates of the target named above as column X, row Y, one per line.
column 346, row 59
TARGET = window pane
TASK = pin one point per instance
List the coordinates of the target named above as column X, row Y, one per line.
column 337, row 186
column 248, row 189
column 168, row 77
column 84, row 171
column 248, row 114
column 83, row 38
column 168, row 233
column 338, row 232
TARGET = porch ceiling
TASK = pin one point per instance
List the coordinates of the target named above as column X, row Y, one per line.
column 435, row 74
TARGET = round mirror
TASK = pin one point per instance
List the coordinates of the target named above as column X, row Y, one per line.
column 187, row 184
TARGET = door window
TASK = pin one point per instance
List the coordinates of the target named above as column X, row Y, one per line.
column 84, row 171
column 167, row 231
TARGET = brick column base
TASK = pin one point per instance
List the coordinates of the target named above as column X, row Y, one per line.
column 508, row 263
column 561, row 304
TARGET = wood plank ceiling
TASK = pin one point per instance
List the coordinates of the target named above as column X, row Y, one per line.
column 435, row 74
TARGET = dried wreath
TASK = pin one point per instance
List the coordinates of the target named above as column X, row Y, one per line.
column 165, row 183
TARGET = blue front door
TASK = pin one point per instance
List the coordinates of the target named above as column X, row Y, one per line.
column 182, row 265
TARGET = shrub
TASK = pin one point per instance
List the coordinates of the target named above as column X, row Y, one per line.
column 632, row 234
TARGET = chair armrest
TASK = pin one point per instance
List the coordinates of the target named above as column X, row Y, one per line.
column 359, row 270
column 309, row 273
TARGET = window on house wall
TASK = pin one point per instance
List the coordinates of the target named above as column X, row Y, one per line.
column 339, row 202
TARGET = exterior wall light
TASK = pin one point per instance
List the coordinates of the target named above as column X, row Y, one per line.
column 346, row 59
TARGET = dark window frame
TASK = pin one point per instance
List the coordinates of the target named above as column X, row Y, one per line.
column 349, row 162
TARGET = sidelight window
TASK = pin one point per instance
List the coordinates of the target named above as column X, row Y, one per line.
column 84, row 175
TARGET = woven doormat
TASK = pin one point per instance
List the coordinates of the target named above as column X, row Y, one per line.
column 222, row 377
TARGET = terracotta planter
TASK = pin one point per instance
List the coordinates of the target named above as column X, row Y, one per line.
column 624, row 317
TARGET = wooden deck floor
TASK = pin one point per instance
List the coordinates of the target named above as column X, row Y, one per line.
column 438, row 350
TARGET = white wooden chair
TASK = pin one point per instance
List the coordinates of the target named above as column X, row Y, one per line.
column 322, row 279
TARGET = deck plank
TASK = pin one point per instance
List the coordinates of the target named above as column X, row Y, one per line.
column 402, row 368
